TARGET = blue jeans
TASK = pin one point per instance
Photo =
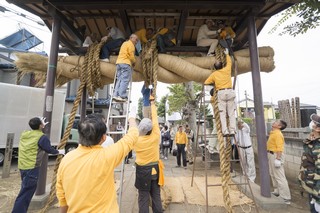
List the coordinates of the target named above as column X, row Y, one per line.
column 124, row 73
column 109, row 46
column 29, row 182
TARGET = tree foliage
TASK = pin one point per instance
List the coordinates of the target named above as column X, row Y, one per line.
column 308, row 17
column 162, row 107
column 177, row 98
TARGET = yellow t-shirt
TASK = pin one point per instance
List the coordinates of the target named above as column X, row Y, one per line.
column 181, row 138
column 85, row 178
column 276, row 141
column 221, row 78
column 126, row 53
column 147, row 147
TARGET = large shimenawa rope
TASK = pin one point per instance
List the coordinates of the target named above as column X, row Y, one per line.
column 224, row 147
column 90, row 79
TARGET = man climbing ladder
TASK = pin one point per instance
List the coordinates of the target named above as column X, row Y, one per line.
column 125, row 64
column 221, row 78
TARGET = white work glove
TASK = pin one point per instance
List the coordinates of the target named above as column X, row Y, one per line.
column 150, row 86
column 185, row 149
column 277, row 163
column 62, row 151
column 133, row 112
column 43, row 121
column 219, row 31
column 226, row 51
column 316, row 206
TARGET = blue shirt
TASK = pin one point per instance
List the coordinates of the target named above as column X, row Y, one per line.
column 146, row 92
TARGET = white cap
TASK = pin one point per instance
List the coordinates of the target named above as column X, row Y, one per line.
column 145, row 126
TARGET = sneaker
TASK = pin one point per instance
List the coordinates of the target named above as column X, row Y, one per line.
column 165, row 158
column 116, row 98
column 105, row 60
column 185, row 167
column 275, row 194
column 201, row 144
column 119, row 99
column 287, row 201
column 226, row 133
column 178, row 166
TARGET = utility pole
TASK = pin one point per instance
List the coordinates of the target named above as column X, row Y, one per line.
column 246, row 97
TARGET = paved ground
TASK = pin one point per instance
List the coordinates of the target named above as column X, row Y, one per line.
column 9, row 188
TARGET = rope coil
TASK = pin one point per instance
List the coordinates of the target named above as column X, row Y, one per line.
column 90, row 77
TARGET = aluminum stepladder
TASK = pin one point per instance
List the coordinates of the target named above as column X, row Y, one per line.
column 124, row 107
column 205, row 154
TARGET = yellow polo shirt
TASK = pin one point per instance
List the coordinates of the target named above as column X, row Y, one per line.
column 147, row 146
column 221, row 78
column 85, row 178
column 181, row 138
column 275, row 142
column 126, row 53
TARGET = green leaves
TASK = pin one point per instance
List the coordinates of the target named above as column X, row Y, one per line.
column 306, row 15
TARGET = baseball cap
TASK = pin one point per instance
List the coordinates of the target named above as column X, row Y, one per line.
column 145, row 126
column 315, row 118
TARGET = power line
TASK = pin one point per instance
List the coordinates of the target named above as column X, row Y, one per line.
column 7, row 9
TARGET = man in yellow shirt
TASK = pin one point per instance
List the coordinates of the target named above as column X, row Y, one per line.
column 148, row 171
column 275, row 148
column 221, row 78
column 181, row 140
column 125, row 63
column 85, row 178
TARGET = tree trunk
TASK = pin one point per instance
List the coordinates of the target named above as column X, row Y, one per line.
column 189, row 111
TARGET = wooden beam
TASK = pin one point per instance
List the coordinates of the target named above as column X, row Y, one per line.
column 182, row 24
column 66, row 25
column 125, row 22
column 159, row 4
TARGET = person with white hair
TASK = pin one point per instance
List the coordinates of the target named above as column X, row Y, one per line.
column 125, row 63
column 246, row 150
column 149, row 168
column 207, row 37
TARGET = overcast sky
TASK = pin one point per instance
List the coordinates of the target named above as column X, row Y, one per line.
column 296, row 74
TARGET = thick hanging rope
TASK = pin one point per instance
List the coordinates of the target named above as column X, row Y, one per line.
column 225, row 147
column 149, row 57
column 223, row 152
column 90, row 77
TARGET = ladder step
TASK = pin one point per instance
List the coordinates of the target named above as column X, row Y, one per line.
column 118, row 116
column 117, row 133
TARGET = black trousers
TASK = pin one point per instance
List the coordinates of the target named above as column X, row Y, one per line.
column 183, row 153
column 144, row 197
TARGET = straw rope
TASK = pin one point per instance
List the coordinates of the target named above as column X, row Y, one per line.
column 150, row 65
column 225, row 147
column 90, row 77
